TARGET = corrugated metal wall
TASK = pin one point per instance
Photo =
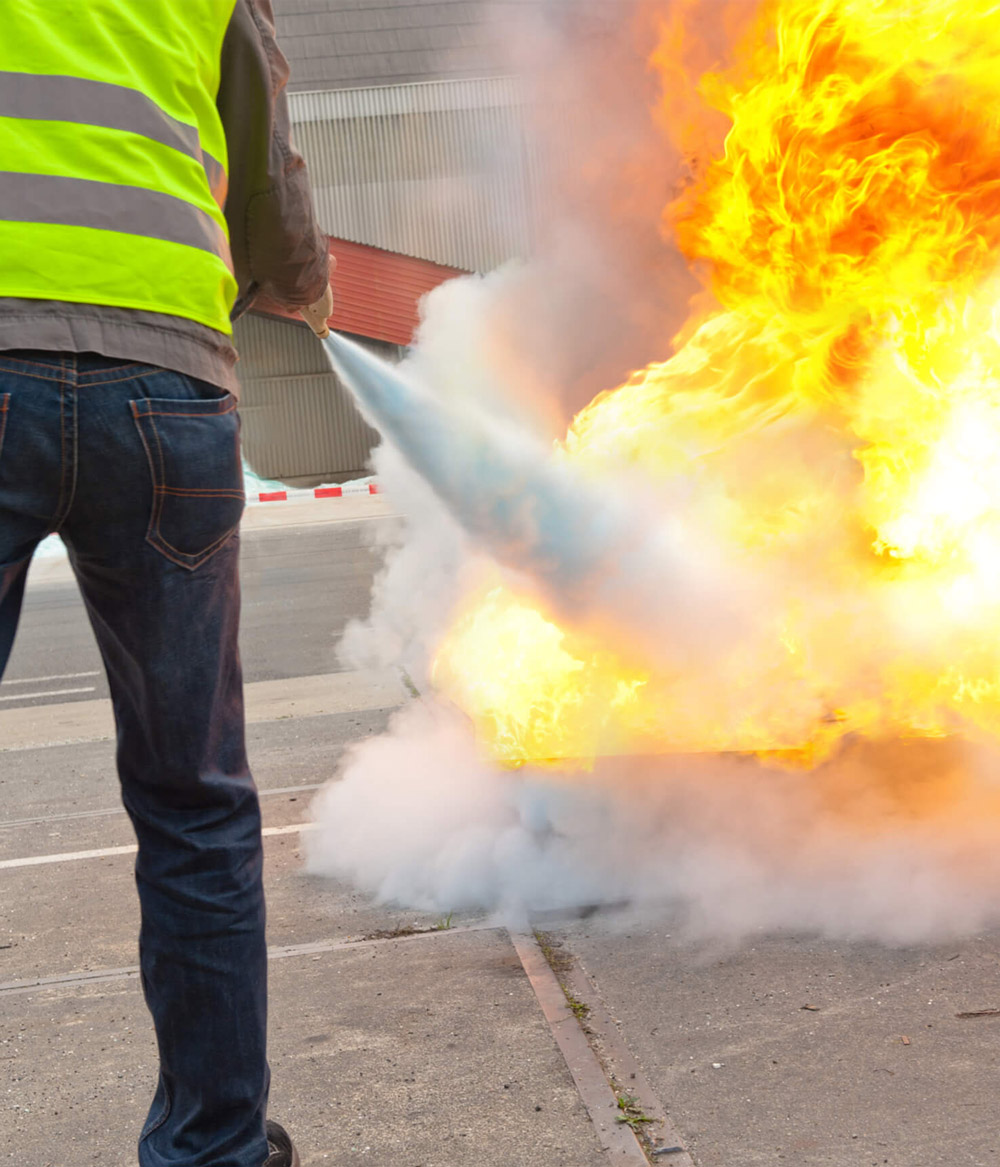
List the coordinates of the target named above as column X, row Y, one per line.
column 442, row 170
column 300, row 424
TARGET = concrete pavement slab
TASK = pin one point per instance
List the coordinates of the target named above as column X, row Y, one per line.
column 60, row 788
column 82, row 916
column 34, row 726
column 435, row 1054
column 427, row 1053
column 794, row 1050
column 77, row 1071
column 66, row 917
column 426, row 1049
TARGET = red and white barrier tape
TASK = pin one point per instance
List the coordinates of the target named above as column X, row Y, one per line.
column 316, row 492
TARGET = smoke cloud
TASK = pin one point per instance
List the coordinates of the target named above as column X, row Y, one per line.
column 725, row 847
column 892, row 840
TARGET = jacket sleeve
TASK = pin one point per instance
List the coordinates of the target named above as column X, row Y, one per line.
column 277, row 246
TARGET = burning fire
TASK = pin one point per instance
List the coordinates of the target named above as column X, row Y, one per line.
column 831, row 416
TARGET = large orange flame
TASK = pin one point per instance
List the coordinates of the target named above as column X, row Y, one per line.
column 834, row 415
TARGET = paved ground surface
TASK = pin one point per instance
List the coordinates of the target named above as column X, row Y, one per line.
column 800, row 1052
column 437, row 1048
column 303, row 580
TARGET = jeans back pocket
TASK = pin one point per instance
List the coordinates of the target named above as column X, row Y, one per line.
column 193, row 449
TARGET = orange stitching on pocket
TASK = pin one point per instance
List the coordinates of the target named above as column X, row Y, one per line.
column 161, row 476
column 35, row 376
column 206, row 493
column 200, row 558
column 84, row 377
column 157, row 501
column 88, row 384
column 203, row 413
column 228, row 401
column 190, row 561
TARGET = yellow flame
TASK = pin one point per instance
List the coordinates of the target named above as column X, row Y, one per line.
column 835, row 417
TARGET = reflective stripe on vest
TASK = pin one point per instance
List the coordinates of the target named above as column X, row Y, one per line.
column 113, row 157
column 106, row 206
column 96, row 103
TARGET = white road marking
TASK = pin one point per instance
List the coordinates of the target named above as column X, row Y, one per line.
column 46, row 680
column 48, row 693
column 107, row 852
column 58, row 723
column 67, row 857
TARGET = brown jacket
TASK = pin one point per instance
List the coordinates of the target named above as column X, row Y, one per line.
column 277, row 246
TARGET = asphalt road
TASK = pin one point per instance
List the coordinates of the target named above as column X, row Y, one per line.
column 301, row 585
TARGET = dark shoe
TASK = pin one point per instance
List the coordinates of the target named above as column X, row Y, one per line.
column 282, row 1153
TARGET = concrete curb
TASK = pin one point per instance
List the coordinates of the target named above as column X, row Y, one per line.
column 620, row 1143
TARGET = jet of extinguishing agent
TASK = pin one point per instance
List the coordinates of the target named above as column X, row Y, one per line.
column 499, row 482
column 584, row 544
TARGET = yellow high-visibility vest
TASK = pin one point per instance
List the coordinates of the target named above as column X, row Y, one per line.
column 113, row 157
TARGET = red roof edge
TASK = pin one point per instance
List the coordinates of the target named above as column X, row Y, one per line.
column 376, row 293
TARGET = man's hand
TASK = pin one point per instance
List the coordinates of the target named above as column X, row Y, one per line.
column 317, row 315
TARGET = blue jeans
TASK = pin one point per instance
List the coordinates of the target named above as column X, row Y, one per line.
column 138, row 469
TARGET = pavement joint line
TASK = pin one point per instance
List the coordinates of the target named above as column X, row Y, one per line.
column 617, row 1138
column 111, row 811
column 317, row 948
column 282, row 952
column 31, row 727
column 620, row 1064
column 128, row 849
column 46, row 680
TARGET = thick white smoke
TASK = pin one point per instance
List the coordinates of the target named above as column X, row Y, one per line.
column 725, row 846
column 891, row 842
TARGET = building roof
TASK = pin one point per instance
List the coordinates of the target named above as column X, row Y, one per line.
column 346, row 44
column 376, row 293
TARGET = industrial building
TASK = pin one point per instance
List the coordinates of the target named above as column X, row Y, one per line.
column 411, row 123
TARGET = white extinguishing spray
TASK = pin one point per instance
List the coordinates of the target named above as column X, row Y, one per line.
column 579, row 539
column 502, row 483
